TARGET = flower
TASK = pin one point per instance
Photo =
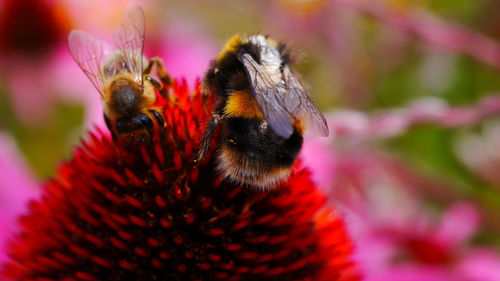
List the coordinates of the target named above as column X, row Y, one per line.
column 369, row 185
column 144, row 211
column 397, row 238
column 418, row 249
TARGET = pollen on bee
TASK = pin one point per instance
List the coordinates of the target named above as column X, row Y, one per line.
column 297, row 124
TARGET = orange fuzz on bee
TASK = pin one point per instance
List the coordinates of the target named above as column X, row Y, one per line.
column 261, row 111
column 242, row 104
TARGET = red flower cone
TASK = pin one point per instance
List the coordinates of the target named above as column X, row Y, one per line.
column 146, row 211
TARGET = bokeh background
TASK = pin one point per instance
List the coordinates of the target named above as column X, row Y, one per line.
column 411, row 91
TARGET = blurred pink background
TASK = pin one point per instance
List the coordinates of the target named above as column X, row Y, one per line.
column 410, row 90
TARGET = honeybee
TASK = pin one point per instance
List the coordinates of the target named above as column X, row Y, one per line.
column 261, row 108
column 119, row 76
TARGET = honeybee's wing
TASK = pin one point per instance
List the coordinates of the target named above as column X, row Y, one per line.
column 89, row 53
column 269, row 97
column 129, row 38
column 299, row 103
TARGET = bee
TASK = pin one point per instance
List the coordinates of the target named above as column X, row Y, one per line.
column 261, row 109
column 126, row 87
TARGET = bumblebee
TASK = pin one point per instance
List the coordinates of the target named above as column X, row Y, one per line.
column 261, row 109
column 126, row 87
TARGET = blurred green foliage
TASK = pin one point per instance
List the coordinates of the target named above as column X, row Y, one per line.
column 45, row 145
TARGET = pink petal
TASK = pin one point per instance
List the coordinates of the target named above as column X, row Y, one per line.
column 412, row 273
column 389, row 124
column 30, row 95
column 17, row 187
column 319, row 156
column 186, row 51
column 481, row 265
column 457, row 225
column 427, row 110
column 348, row 122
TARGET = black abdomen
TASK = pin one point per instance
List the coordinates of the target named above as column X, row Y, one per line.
column 256, row 140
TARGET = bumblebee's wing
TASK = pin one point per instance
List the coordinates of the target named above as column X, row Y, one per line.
column 89, row 53
column 269, row 96
column 129, row 39
column 299, row 103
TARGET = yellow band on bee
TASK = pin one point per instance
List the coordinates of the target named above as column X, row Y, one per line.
column 231, row 45
column 242, row 104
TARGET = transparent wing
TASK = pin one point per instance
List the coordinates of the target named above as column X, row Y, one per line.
column 269, row 96
column 89, row 53
column 299, row 103
column 129, row 38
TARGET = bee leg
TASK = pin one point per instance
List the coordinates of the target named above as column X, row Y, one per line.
column 158, row 86
column 110, row 126
column 207, row 136
column 159, row 118
column 160, row 70
column 148, row 68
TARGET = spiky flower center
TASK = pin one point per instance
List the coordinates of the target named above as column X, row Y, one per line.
column 147, row 211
